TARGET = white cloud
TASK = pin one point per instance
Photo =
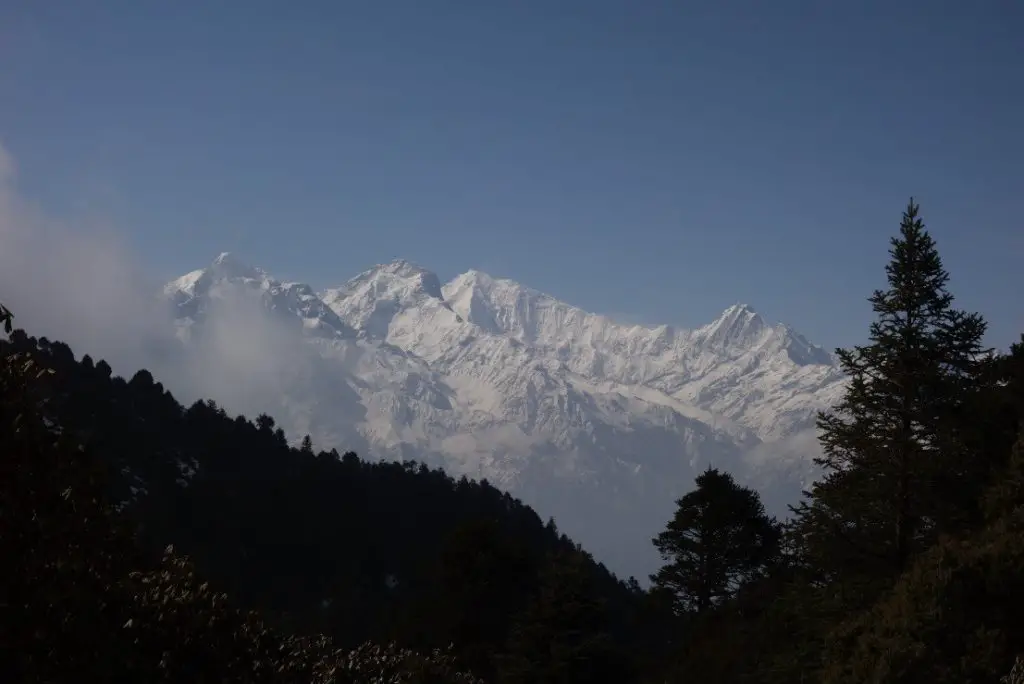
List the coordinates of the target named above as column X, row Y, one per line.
column 77, row 281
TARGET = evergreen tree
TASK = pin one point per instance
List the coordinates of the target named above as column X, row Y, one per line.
column 563, row 633
column 477, row 564
column 894, row 458
column 998, row 413
column 84, row 602
column 307, row 445
column 952, row 617
column 293, row 535
column 6, row 319
column 719, row 538
column 1007, row 492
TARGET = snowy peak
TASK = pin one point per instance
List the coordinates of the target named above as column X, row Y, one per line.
column 196, row 294
column 599, row 424
column 766, row 378
column 184, row 287
column 504, row 307
column 741, row 312
column 398, row 280
column 740, row 330
column 373, row 299
column 197, row 283
column 227, row 265
column 800, row 350
column 469, row 295
column 739, row 326
column 415, row 277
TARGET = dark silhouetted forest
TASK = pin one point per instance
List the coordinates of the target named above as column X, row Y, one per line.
column 148, row 541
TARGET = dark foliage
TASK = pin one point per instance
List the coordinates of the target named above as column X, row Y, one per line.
column 565, row 632
column 317, row 542
column 719, row 539
column 953, row 618
column 81, row 601
column 903, row 565
column 897, row 475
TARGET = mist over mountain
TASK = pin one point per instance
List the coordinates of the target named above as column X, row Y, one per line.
column 598, row 424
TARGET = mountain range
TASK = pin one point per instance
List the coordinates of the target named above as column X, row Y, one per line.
column 598, row 424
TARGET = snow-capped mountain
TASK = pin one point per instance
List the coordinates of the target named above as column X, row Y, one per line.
column 598, row 424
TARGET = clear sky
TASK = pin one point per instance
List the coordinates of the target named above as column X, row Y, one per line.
column 655, row 159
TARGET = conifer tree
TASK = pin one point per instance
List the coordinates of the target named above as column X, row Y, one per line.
column 562, row 634
column 719, row 537
column 478, row 564
column 1007, row 492
column 6, row 319
column 892, row 446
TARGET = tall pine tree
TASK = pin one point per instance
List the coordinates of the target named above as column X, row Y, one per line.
column 892, row 446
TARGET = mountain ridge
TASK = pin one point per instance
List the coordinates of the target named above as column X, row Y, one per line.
column 597, row 423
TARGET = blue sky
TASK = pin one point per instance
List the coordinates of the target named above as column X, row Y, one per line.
column 657, row 159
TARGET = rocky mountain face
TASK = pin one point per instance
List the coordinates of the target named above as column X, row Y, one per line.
column 598, row 424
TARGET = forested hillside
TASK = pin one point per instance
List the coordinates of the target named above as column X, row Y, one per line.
column 322, row 542
column 905, row 563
